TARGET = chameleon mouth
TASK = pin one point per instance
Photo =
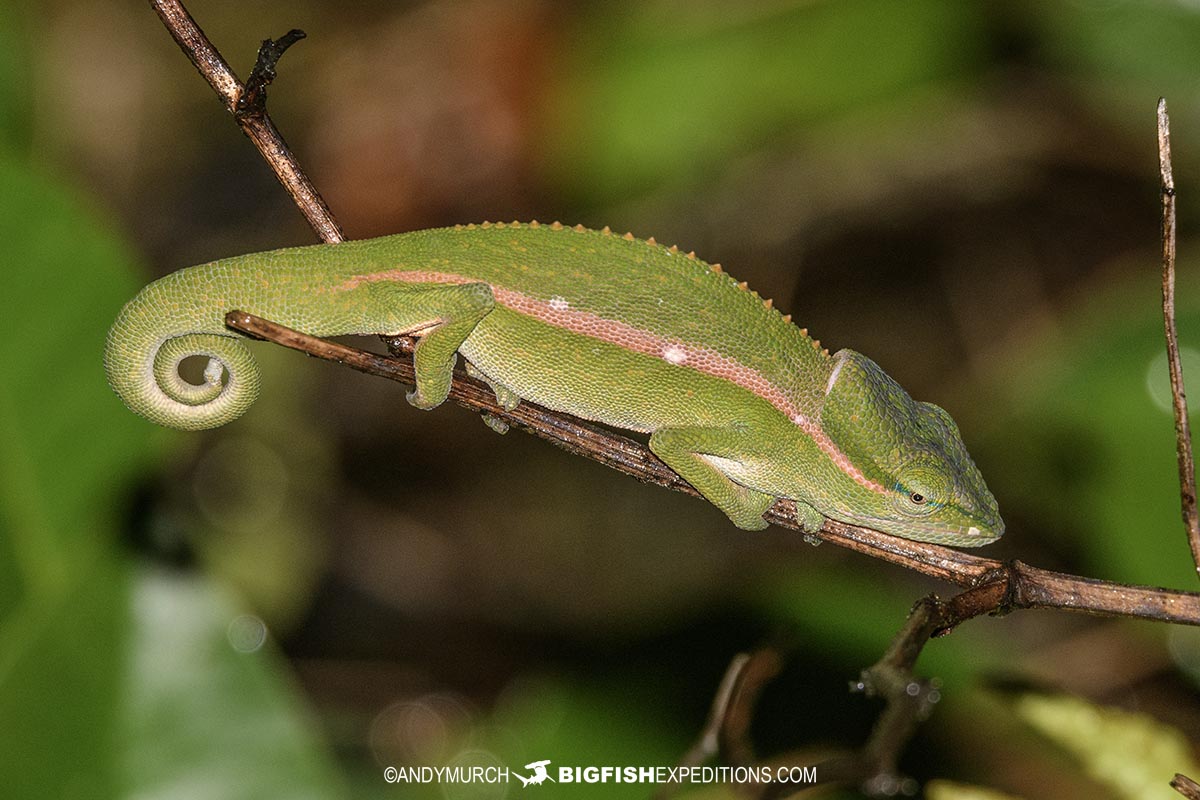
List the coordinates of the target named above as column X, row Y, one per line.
column 973, row 536
column 976, row 536
column 984, row 532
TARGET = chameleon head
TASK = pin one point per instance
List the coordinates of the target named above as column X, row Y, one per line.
column 920, row 483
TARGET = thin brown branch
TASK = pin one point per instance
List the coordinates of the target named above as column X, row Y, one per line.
column 1183, row 434
column 1186, row 786
column 252, row 117
column 709, row 742
column 1005, row 586
column 727, row 731
column 733, row 729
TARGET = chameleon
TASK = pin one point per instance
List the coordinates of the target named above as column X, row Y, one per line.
column 736, row 399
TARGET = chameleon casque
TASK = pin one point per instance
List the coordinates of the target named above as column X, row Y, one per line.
column 736, row 399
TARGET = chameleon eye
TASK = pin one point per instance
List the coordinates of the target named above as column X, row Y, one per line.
column 918, row 498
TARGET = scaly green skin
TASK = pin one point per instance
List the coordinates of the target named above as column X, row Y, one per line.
column 737, row 400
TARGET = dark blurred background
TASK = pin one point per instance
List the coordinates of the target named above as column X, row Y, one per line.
column 967, row 192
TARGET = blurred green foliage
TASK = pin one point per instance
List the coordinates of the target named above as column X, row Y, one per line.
column 948, row 790
column 654, row 96
column 61, row 633
column 15, row 85
column 1113, row 52
column 118, row 681
column 1095, row 459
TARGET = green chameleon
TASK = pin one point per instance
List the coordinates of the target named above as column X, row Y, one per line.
column 737, row 400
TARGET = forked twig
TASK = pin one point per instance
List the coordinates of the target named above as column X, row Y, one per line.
column 253, row 101
column 908, row 701
column 252, row 117
column 1183, row 434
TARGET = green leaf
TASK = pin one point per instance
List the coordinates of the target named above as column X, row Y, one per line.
column 66, row 449
column 205, row 714
column 948, row 790
column 111, row 680
column 59, row 682
column 1134, row 754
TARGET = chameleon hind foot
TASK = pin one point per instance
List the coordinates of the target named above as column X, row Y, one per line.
column 505, row 398
column 810, row 521
column 495, row 423
column 695, row 452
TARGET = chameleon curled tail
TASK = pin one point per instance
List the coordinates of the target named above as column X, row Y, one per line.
column 182, row 315
column 322, row 290
column 142, row 359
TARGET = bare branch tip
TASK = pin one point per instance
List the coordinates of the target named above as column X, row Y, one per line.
column 1167, row 180
column 1186, row 786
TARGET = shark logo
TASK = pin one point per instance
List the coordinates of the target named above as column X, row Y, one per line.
column 539, row 776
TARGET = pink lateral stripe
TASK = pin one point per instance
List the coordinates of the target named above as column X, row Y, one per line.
column 557, row 312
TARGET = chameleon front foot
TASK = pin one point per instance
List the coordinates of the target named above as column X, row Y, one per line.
column 457, row 310
column 505, row 398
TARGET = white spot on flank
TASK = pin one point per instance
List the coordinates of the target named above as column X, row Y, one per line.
column 833, row 376
column 799, row 420
column 972, row 531
column 675, row 354
column 559, row 303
